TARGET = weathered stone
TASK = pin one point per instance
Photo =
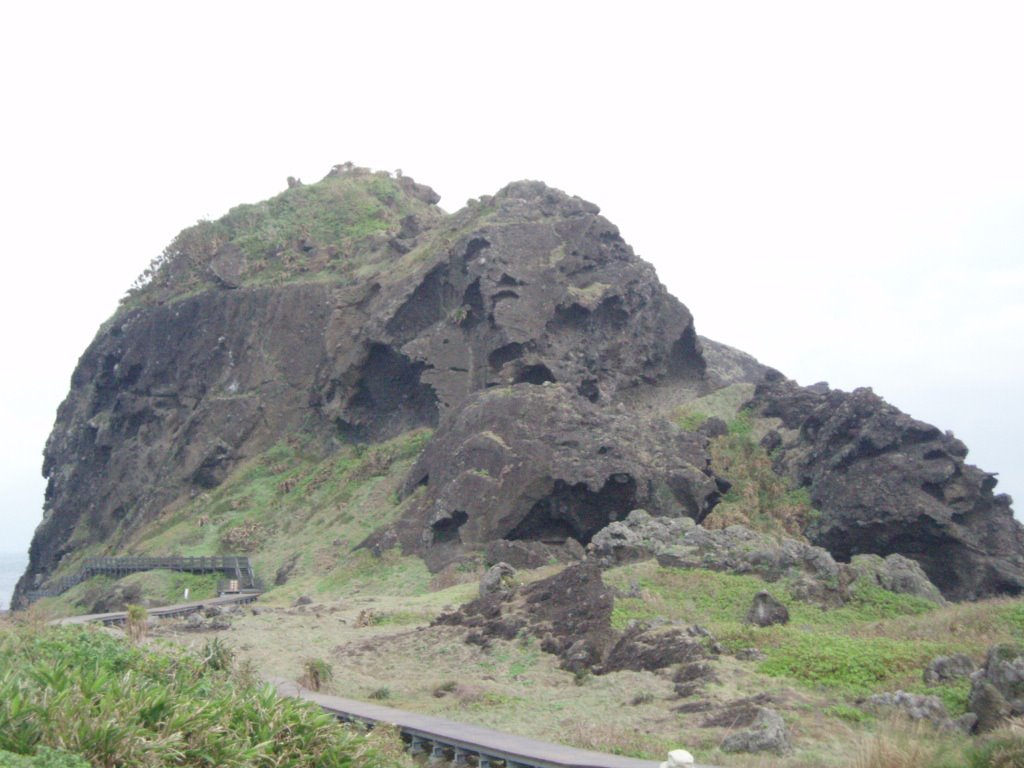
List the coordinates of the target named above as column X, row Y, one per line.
column 988, row 705
column 638, row 537
column 570, row 611
column 886, row 483
column 643, row 648
column 997, row 689
column 895, row 573
column 302, row 600
column 541, row 463
column 766, row 611
column 738, row 549
column 498, row 580
column 532, row 554
column 914, row 706
column 768, row 733
column 943, row 669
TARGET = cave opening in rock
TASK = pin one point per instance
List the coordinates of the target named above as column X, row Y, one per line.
column 573, row 511
column 389, row 397
column 534, row 374
column 446, row 530
column 685, row 361
column 504, row 354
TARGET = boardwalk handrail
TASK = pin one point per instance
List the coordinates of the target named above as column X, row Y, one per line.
column 235, row 566
column 163, row 611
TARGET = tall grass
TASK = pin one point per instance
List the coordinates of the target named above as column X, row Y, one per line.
column 82, row 691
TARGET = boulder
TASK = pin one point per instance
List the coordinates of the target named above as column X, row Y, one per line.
column 766, row 611
column 944, row 669
column 644, row 648
column 895, row 573
column 738, row 549
column 498, row 580
column 989, row 706
column 767, row 733
column 915, row 706
column 997, row 689
column 570, row 612
column 638, row 537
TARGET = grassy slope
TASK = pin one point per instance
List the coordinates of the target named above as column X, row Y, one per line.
column 335, row 229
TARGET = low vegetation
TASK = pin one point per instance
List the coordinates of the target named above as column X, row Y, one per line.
column 759, row 498
column 336, row 229
column 302, row 511
column 76, row 696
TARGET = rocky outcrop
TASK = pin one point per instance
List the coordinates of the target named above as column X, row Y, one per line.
column 542, row 463
column 766, row 611
column 997, row 689
column 527, row 332
column 920, row 708
column 639, row 537
column 355, row 330
column 571, row 614
column 944, row 669
column 570, row 611
column 767, row 733
column 810, row 573
column 886, row 483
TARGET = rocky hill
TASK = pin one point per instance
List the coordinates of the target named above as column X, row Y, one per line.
column 562, row 386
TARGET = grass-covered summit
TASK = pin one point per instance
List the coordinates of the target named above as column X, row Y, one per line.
column 337, row 229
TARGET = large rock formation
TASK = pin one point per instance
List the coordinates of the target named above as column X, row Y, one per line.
column 524, row 329
column 886, row 483
column 544, row 464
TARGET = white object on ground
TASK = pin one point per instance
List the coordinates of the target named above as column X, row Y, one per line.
column 678, row 758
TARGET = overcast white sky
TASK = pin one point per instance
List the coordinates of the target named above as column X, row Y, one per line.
column 836, row 188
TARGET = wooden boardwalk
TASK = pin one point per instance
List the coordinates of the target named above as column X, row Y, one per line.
column 446, row 740
column 163, row 612
column 237, row 567
column 450, row 740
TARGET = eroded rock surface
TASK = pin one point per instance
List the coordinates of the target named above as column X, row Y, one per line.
column 541, row 463
column 997, row 689
column 886, row 483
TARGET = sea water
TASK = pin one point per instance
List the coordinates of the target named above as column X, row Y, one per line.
column 12, row 565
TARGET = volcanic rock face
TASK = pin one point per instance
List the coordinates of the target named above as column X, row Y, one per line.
column 545, row 464
column 887, row 483
column 525, row 330
column 365, row 336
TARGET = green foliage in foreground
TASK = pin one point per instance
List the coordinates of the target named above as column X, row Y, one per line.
column 92, row 695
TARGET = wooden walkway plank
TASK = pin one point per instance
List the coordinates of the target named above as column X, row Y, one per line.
column 475, row 739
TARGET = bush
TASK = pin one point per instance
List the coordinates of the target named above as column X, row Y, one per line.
column 136, row 623
column 316, row 673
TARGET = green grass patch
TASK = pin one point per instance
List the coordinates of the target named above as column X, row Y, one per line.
column 82, row 691
column 849, row 665
column 332, row 230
